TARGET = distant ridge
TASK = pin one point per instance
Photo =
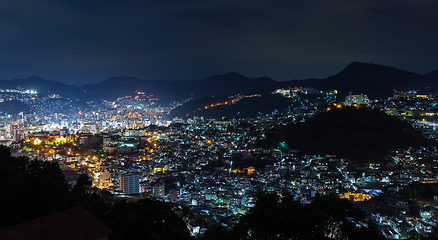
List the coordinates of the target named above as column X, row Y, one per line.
column 389, row 76
column 231, row 83
column 433, row 74
column 375, row 80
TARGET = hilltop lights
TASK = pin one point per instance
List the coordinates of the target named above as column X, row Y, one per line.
column 60, row 140
column 355, row 196
column 333, row 106
column 37, row 141
column 235, row 99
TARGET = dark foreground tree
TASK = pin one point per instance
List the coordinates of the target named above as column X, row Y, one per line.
column 32, row 189
column 145, row 219
column 327, row 217
column 218, row 232
column 29, row 189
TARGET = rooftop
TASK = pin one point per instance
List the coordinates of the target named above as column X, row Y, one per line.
column 75, row 223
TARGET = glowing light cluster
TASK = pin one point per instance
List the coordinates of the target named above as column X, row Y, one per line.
column 355, row 196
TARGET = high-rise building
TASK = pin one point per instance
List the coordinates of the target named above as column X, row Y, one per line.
column 130, row 183
column 159, row 190
column 17, row 132
column 356, row 99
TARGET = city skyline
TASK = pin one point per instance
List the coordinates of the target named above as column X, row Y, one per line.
column 82, row 42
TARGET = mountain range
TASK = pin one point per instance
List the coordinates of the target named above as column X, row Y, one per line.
column 375, row 80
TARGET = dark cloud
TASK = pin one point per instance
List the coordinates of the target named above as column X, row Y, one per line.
column 87, row 41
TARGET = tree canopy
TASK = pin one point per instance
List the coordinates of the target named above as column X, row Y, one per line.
column 146, row 219
column 32, row 189
column 359, row 134
column 283, row 217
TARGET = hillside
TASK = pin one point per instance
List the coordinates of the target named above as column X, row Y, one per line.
column 216, row 85
column 45, row 87
column 358, row 134
column 13, row 107
column 391, row 77
column 251, row 106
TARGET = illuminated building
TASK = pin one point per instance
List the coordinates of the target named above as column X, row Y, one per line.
column 355, row 196
column 250, row 170
column 159, row 190
column 286, row 92
column 103, row 177
column 90, row 140
column 160, row 168
column 129, row 183
column 409, row 96
column 17, row 131
column 37, row 141
column 134, row 132
column 356, row 99
column 174, row 194
column 424, row 227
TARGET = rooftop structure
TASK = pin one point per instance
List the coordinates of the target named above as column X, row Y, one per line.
column 71, row 224
column 356, row 99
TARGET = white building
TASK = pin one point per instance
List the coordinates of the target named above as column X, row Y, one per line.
column 130, row 183
column 356, row 99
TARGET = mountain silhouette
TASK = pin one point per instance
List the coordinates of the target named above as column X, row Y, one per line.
column 389, row 76
column 375, row 80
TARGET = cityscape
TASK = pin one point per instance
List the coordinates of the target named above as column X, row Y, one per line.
column 213, row 120
column 215, row 168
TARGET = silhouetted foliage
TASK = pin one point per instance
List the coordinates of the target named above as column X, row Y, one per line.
column 247, row 107
column 145, row 219
column 218, row 232
column 83, row 185
column 420, row 190
column 275, row 217
column 32, row 189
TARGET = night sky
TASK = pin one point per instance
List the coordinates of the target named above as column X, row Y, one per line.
column 85, row 41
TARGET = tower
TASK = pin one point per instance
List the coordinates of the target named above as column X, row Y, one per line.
column 130, row 183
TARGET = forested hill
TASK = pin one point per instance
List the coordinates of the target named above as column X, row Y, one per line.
column 360, row 134
column 242, row 107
